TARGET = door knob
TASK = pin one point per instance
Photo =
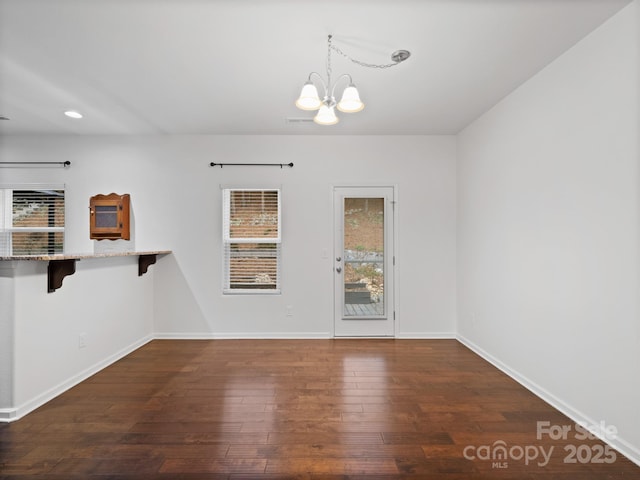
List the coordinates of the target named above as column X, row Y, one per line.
column 338, row 259
column 338, row 269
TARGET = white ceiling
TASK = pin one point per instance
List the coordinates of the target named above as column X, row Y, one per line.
column 236, row 66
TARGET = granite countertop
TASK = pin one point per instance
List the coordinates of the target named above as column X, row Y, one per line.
column 79, row 256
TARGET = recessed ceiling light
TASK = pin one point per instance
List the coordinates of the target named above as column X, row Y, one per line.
column 73, row 114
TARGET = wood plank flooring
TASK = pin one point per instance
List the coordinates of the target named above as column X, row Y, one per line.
column 292, row 409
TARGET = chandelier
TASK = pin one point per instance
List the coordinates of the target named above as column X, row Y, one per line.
column 350, row 101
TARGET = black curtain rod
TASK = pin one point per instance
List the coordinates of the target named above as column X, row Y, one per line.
column 65, row 164
column 251, row 164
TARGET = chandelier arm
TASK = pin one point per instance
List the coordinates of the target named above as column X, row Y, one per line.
column 333, row 89
column 324, row 85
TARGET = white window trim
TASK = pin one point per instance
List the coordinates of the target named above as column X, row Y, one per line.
column 226, row 239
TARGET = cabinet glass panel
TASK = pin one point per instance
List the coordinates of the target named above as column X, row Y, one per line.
column 106, row 216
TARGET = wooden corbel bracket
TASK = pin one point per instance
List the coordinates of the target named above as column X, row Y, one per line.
column 57, row 270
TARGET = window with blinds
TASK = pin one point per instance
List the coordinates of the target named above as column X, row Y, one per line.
column 32, row 221
column 251, row 240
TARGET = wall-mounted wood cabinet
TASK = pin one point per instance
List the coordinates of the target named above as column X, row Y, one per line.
column 109, row 217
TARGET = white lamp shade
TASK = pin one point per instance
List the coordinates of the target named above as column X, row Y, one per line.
column 350, row 102
column 308, row 99
column 326, row 116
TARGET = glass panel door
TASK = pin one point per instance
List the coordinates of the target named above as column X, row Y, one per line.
column 364, row 261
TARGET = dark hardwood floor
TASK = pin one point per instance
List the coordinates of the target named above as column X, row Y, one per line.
column 316, row 409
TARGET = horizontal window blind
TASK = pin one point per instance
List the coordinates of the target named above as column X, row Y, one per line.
column 252, row 240
column 33, row 221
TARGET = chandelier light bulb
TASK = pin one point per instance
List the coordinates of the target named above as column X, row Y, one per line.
column 350, row 102
column 308, row 99
column 326, row 116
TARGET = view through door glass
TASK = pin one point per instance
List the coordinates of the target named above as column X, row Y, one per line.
column 364, row 264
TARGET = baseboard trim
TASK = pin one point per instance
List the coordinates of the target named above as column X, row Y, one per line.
column 8, row 415
column 242, row 336
column 13, row 414
column 292, row 336
column 426, row 335
column 619, row 444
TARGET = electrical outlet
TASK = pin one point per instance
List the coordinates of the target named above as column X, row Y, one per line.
column 82, row 340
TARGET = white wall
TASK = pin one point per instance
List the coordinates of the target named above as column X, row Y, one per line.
column 7, row 310
column 548, row 231
column 176, row 204
column 189, row 286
